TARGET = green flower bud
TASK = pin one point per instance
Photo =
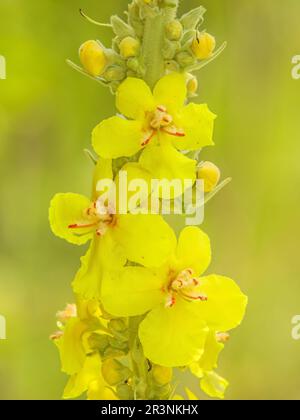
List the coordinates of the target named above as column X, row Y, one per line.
column 172, row 65
column 114, row 372
column 117, row 325
column 93, row 58
column 163, row 392
column 113, row 352
column 174, row 30
column 129, row 47
column 170, row 49
column 192, row 84
column 121, row 28
column 192, row 18
column 114, row 73
column 203, row 45
column 210, row 174
column 125, row 392
column 161, row 375
column 185, row 59
column 118, row 344
column 99, row 342
column 134, row 65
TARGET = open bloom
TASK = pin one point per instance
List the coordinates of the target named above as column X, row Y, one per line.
column 158, row 123
column 181, row 306
column 204, row 369
column 115, row 238
column 78, row 360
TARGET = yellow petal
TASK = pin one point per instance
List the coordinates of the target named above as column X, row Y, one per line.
column 69, row 209
column 103, row 170
column 171, row 92
column 136, row 176
column 146, row 239
column 214, row 385
column 132, row 291
column 163, row 161
column 197, row 122
column 190, row 394
column 80, row 382
column 116, row 137
column 193, row 250
column 103, row 255
column 97, row 391
column 173, row 336
column 226, row 305
column 209, row 359
column 134, row 98
column 72, row 354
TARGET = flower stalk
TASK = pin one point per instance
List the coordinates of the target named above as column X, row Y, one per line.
column 144, row 307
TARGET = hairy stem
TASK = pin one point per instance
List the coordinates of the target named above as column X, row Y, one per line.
column 153, row 44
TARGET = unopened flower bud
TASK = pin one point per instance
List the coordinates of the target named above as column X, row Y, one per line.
column 203, row 45
column 125, row 392
column 174, row 30
column 210, row 174
column 162, row 375
column 114, row 372
column 114, row 73
column 117, row 325
column 172, row 65
column 192, row 84
column 185, row 59
column 133, row 64
column 93, row 58
column 98, row 342
column 170, row 48
column 129, row 47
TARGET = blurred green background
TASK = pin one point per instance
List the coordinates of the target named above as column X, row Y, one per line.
column 47, row 112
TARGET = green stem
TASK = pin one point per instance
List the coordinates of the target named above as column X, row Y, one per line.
column 137, row 360
column 153, row 45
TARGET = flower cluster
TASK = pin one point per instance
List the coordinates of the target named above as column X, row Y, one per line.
column 145, row 308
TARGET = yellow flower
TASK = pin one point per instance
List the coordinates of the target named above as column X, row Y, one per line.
column 159, row 124
column 115, row 238
column 182, row 305
column 89, row 379
column 93, row 58
column 203, row 45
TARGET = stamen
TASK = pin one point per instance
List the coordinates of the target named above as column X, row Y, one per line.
column 222, row 337
column 150, row 135
column 202, row 298
column 171, row 300
column 79, row 226
column 56, row 335
column 174, row 131
column 161, row 108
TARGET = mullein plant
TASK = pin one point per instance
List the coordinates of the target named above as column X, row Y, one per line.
column 145, row 308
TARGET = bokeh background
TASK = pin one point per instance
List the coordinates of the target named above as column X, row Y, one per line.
column 47, row 112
